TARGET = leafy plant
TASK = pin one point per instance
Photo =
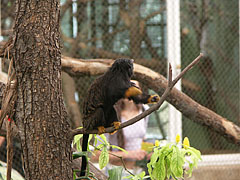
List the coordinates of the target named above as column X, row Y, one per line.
column 103, row 147
column 168, row 161
column 104, row 156
column 115, row 173
column 140, row 176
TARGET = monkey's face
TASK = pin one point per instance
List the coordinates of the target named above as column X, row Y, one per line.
column 123, row 65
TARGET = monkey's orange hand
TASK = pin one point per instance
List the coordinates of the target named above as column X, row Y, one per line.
column 153, row 99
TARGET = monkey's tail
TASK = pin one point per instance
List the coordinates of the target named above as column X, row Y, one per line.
column 84, row 159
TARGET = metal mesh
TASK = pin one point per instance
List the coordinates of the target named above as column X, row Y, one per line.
column 137, row 29
column 212, row 28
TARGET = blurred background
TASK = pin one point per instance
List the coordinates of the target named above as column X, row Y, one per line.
column 110, row 29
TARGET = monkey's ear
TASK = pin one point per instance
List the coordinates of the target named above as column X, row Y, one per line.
column 132, row 91
column 153, row 99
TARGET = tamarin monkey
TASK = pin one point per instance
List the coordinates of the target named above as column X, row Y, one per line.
column 104, row 92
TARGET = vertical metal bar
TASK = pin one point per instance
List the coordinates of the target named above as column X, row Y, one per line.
column 174, row 57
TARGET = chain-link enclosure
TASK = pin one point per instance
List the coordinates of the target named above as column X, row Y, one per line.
column 212, row 28
column 111, row 29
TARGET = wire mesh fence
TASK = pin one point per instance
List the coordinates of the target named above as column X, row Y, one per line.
column 212, row 27
column 137, row 29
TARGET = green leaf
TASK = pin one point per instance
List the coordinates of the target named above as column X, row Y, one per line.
column 195, row 157
column 100, row 146
column 177, row 162
column 119, row 148
column 159, row 172
column 99, row 139
column 74, row 175
column 115, row 173
column 77, row 137
column 168, row 164
column 154, row 157
column 95, row 140
column 189, row 171
column 196, row 152
column 166, row 148
column 149, row 166
column 142, row 174
column 104, row 139
column 103, row 158
column 78, row 154
column 76, row 140
column 156, row 166
column 78, row 146
column 89, row 139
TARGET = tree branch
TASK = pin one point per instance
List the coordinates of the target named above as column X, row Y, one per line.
column 187, row 106
column 147, row 112
column 9, row 149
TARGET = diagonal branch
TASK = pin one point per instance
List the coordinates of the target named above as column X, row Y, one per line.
column 147, row 112
column 155, row 81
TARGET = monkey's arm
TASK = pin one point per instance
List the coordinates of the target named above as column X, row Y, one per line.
column 133, row 90
column 145, row 98
column 135, row 94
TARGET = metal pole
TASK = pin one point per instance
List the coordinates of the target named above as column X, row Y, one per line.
column 174, row 57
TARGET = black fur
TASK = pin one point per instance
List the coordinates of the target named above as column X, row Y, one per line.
column 105, row 91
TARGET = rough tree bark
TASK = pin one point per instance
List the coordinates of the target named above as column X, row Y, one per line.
column 40, row 113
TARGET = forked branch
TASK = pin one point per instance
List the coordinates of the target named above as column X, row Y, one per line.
column 155, row 107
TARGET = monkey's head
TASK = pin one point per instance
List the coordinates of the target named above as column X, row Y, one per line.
column 123, row 66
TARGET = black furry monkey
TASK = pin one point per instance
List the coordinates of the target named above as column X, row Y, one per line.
column 106, row 90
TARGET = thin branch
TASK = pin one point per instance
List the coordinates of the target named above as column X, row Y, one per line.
column 10, row 95
column 9, row 149
column 169, row 74
column 147, row 112
column 120, row 157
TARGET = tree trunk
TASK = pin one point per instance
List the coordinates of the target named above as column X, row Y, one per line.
column 40, row 113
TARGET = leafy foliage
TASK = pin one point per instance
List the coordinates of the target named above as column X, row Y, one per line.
column 104, row 156
column 115, row 173
column 168, row 161
column 140, row 176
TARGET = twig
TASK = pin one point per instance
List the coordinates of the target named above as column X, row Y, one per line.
column 10, row 96
column 123, row 163
column 169, row 75
column 147, row 112
column 8, row 99
column 120, row 157
column 9, row 149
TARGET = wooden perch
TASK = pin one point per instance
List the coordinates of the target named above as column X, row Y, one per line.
column 158, row 83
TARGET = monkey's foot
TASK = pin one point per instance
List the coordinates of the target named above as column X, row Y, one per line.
column 153, row 99
column 132, row 91
column 101, row 130
column 116, row 125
